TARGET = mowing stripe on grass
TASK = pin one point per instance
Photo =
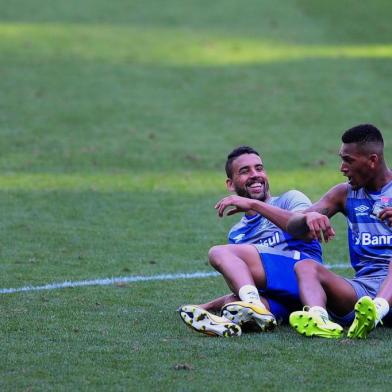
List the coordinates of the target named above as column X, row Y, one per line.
column 125, row 279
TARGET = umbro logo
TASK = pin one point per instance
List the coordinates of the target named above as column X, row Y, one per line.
column 361, row 208
column 239, row 237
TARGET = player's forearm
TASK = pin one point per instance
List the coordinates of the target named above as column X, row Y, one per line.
column 276, row 215
column 298, row 227
column 292, row 222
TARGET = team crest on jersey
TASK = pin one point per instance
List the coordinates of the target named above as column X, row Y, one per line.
column 379, row 205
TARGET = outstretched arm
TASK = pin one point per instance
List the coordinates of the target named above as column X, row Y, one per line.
column 234, row 204
column 310, row 226
column 314, row 222
column 303, row 226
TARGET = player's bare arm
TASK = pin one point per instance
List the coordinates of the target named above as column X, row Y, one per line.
column 332, row 202
column 234, row 204
column 314, row 222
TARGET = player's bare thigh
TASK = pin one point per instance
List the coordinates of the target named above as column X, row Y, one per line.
column 248, row 254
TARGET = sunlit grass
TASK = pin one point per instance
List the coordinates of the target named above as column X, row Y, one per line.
column 196, row 182
column 114, row 44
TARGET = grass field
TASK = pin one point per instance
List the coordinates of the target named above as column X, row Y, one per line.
column 115, row 121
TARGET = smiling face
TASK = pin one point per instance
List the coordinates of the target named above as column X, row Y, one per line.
column 357, row 165
column 249, row 178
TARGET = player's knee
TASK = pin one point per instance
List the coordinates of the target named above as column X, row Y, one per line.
column 306, row 269
column 216, row 256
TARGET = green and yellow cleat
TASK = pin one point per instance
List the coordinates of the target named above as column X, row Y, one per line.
column 249, row 315
column 365, row 319
column 207, row 323
column 313, row 324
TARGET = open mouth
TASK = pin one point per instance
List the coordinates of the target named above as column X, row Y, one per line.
column 350, row 180
column 255, row 187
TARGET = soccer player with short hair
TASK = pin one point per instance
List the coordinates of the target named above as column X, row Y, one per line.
column 366, row 201
column 258, row 263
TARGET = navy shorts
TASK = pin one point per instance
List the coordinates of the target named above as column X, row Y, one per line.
column 281, row 290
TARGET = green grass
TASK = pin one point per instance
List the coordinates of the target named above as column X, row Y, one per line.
column 115, row 120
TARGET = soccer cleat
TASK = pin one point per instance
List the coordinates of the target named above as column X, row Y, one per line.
column 249, row 315
column 313, row 324
column 365, row 319
column 205, row 322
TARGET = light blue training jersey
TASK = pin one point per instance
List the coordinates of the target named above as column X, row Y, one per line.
column 255, row 229
column 369, row 239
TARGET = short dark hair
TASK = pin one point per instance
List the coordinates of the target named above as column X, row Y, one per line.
column 363, row 134
column 235, row 154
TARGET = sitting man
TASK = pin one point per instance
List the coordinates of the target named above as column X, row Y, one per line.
column 258, row 263
column 366, row 201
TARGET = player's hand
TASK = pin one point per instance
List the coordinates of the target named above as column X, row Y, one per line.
column 239, row 204
column 319, row 227
column 386, row 216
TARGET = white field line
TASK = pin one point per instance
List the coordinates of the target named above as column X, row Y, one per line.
column 126, row 279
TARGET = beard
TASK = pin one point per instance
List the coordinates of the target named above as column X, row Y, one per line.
column 246, row 191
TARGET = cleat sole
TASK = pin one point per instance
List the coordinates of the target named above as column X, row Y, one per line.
column 204, row 322
column 365, row 319
column 307, row 326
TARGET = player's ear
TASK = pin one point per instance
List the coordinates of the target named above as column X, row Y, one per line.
column 230, row 185
column 373, row 160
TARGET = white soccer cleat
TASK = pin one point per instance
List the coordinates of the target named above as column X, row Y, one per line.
column 207, row 323
column 249, row 315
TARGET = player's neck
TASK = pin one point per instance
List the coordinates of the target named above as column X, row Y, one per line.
column 383, row 178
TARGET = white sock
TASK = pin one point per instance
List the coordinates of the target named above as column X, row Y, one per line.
column 382, row 307
column 319, row 310
column 249, row 293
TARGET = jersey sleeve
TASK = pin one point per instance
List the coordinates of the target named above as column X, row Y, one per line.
column 296, row 201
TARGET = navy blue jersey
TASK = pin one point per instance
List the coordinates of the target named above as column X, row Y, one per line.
column 369, row 238
column 256, row 229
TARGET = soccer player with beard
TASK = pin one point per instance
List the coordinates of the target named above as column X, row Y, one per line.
column 258, row 263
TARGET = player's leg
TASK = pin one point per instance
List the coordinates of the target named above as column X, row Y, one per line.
column 217, row 304
column 242, row 269
column 320, row 289
column 369, row 312
column 385, row 290
column 199, row 318
column 239, row 264
column 383, row 298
